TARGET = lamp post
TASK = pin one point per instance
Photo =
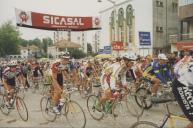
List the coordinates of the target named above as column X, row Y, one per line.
column 114, row 15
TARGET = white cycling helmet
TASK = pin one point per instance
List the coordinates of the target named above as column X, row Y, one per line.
column 129, row 57
column 12, row 63
column 66, row 55
column 162, row 57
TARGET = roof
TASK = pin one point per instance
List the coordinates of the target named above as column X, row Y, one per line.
column 66, row 44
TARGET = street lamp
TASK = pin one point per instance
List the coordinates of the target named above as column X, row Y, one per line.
column 114, row 13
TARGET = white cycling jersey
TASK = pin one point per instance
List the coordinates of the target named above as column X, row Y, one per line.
column 184, row 72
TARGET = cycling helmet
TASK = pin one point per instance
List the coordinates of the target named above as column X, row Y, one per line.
column 162, row 57
column 66, row 55
column 12, row 63
column 129, row 57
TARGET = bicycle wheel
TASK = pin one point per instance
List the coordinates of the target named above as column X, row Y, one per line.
column 21, row 108
column 75, row 115
column 47, row 109
column 132, row 106
column 45, row 88
column 118, row 109
column 144, row 124
column 143, row 94
column 90, row 88
column 92, row 102
column 21, row 93
column 3, row 107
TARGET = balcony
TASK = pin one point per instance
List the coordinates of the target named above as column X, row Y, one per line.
column 180, row 37
column 185, row 2
column 185, row 12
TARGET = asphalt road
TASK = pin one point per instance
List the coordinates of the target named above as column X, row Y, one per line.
column 125, row 120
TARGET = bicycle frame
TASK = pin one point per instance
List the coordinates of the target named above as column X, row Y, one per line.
column 171, row 119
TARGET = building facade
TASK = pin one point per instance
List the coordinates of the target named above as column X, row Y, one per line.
column 141, row 26
column 77, row 37
column 184, row 39
column 96, row 41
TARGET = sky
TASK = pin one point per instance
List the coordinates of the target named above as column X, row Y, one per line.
column 56, row 7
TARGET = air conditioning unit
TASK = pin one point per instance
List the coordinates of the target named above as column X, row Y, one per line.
column 159, row 29
column 159, row 4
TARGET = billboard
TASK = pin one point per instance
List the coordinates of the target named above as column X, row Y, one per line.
column 107, row 50
column 117, row 45
column 144, row 38
column 100, row 51
column 54, row 22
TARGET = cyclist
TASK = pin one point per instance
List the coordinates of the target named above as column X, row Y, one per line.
column 152, row 72
column 9, row 80
column 183, row 86
column 114, row 78
column 35, row 71
column 89, row 73
column 57, row 74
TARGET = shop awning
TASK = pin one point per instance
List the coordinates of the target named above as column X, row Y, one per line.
column 182, row 45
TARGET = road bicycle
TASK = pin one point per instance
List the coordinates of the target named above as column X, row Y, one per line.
column 16, row 101
column 124, row 100
column 144, row 93
column 169, row 118
column 70, row 109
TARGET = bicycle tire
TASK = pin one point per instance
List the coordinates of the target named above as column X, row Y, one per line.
column 4, row 109
column 147, row 104
column 144, row 124
column 47, row 109
column 133, row 107
column 21, row 93
column 92, row 101
column 71, row 108
column 45, row 89
column 21, row 104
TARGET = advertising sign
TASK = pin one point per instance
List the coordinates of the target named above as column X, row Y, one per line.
column 54, row 22
column 107, row 49
column 117, row 45
column 100, row 51
column 144, row 38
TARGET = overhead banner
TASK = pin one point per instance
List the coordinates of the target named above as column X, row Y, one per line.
column 54, row 22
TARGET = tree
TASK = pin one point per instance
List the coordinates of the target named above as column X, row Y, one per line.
column 45, row 43
column 76, row 53
column 9, row 39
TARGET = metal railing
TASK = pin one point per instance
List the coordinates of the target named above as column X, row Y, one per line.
column 180, row 37
column 185, row 2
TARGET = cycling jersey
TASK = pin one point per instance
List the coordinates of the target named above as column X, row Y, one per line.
column 184, row 72
column 57, row 69
column 89, row 71
column 153, row 70
column 9, row 76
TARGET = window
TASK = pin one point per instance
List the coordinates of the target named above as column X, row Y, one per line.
column 159, row 3
column 174, row 6
column 159, row 29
